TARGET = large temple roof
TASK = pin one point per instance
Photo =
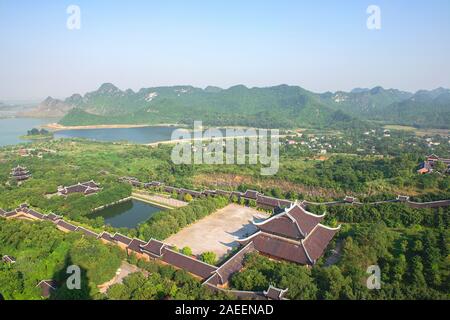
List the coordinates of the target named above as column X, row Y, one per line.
column 316, row 243
column 294, row 222
column 294, row 235
column 278, row 247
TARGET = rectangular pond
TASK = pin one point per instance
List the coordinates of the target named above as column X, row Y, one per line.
column 127, row 214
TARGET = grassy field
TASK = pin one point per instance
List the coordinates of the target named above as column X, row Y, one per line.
column 419, row 131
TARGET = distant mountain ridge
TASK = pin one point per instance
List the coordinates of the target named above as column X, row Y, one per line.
column 278, row 106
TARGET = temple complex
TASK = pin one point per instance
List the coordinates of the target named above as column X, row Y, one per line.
column 294, row 235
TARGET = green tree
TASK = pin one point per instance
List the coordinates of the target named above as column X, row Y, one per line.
column 186, row 251
column 209, row 257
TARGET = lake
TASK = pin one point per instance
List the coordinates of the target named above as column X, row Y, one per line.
column 133, row 135
column 140, row 135
column 11, row 129
column 127, row 214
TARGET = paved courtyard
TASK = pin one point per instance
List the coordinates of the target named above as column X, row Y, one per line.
column 217, row 232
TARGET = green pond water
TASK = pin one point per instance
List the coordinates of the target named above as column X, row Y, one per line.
column 127, row 214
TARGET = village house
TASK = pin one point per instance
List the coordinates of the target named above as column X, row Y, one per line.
column 429, row 164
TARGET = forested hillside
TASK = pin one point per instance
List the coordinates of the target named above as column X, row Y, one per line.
column 280, row 106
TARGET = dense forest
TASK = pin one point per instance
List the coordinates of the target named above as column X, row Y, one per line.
column 413, row 263
column 43, row 252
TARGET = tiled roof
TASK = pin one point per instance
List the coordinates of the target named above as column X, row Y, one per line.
column 316, row 243
column 106, row 236
column 223, row 193
column 281, row 248
column 35, row 214
column 305, row 220
column 85, row 187
column 170, row 189
column 153, row 247
column 9, row 259
column 234, row 264
column 282, row 225
column 9, row 214
column 191, row 192
column 47, row 286
column 52, row 217
column 189, row 264
column 91, row 184
column 278, row 247
column 66, row 225
column 135, row 245
column 87, row 232
column 251, row 194
column 275, row 293
column 122, row 239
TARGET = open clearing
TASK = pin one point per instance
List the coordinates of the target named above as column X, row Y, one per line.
column 218, row 231
column 125, row 270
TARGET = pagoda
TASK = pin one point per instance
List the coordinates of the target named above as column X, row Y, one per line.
column 20, row 173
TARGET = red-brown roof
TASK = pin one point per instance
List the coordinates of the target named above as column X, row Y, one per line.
column 234, row 264
column 52, row 217
column 34, row 213
column 85, row 187
column 279, row 247
column 295, row 222
column 47, row 286
column 305, row 220
column 106, row 236
column 66, row 225
column 274, row 293
column 122, row 239
column 9, row 259
column 87, row 232
column 282, row 225
column 135, row 245
column 153, row 247
column 251, row 194
column 189, row 264
column 316, row 243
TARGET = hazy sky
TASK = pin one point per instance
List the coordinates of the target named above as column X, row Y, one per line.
column 319, row 45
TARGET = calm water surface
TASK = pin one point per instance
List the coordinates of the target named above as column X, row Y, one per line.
column 127, row 214
column 133, row 135
column 12, row 129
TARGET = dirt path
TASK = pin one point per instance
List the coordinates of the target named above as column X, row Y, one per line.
column 124, row 270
